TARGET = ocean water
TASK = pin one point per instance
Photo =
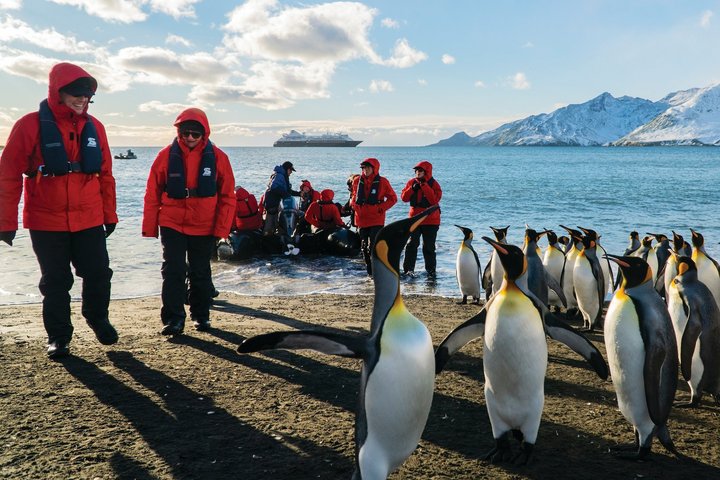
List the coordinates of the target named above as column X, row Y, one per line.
column 612, row 190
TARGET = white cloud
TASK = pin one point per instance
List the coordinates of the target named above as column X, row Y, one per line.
column 166, row 108
column 177, row 40
column 480, row 84
column 422, row 82
column 162, row 66
column 519, row 81
column 389, row 23
column 123, row 11
column 404, row 55
column 377, row 86
column 448, row 59
column 174, row 8
column 14, row 30
column 705, row 19
column 10, row 4
column 528, row 45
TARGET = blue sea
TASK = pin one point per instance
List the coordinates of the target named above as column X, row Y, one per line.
column 612, row 190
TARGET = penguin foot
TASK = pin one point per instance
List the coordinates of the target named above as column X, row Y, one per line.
column 463, row 301
column 476, row 301
column 501, row 453
column 525, row 455
column 691, row 404
column 638, row 456
column 630, row 447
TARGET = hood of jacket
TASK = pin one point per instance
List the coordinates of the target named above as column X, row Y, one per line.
column 375, row 164
column 327, row 195
column 241, row 193
column 427, row 166
column 194, row 114
column 63, row 74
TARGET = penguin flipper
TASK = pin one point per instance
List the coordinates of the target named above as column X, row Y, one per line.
column 575, row 341
column 555, row 287
column 487, row 276
column 323, row 342
column 692, row 332
column 459, row 337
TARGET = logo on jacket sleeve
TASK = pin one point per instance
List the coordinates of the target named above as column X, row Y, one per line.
column 207, row 172
column 92, row 143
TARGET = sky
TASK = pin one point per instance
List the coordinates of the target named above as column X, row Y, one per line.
column 389, row 73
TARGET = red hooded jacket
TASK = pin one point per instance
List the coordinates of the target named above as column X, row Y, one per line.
column 323, row 213
column 247, row 212
column 367, row 215
column 432, row 193
column 194, row 215
column 65, row 203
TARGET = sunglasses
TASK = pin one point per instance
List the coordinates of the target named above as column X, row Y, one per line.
column 190, row 133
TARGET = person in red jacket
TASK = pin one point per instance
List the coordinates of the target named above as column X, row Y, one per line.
column 422, row 192
column 69, row 203
column 247, row 212
column 372, row 196
column 323, row 214
column 190, row 199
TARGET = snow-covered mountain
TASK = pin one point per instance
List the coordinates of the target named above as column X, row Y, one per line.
column 688, row 117
column 693, row 119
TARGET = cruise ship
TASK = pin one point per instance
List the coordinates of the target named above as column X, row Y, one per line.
column 297, row 139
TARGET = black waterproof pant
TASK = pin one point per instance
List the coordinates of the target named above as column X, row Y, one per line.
column 367, row 243
column 429, row 235
column 85, row 250
column 186, row 256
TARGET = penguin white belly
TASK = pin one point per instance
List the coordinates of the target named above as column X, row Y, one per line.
column 468, row 273
column 568, row 280
column 553, row 262
column 677, row 313
column 708, row 274
column 497, row 272
column 652, row 260
column 586, row 290
column 671, row 272
column 398, row 396
column 514, row 362
column 626, row 358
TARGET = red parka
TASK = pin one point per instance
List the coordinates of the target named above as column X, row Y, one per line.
column 247, row 212
column 432, row 193
column 367, row 215
column 323, row 213
column 64, row 203
column 194, row 215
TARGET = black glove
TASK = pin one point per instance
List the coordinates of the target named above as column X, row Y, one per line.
column 8, row 237
column 109, row 228
column 416, row 186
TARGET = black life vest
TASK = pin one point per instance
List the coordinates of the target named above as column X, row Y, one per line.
column 322, row 204
column 418, row 199
column 52, row 146
column 373, row 197
column 176, row 186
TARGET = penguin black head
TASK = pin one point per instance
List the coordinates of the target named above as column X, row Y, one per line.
column 697, row 239
column 678, row 241
column 659, row 237
column 589, row 233
column 466, row 231
column 563, row 240
column 576, row 235
column 647, row 241
column 685, row 264
column 634, row 235
column 500, row 233
column 533, row 235
column 391, row 240
column 635, row 270
column 512, row 258
column 588, row 242
column 552, row 237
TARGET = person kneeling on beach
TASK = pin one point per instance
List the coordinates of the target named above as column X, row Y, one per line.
column 190, row 198
column 69, row 203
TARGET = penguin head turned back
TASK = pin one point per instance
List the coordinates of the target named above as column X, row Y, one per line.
column 634, row 235
column 647, row 241
column 391, row 240
column 635, row 270
column 588, row 242
column 552, row 237
column 576, row 235
column 590, row 233
column 678, row 241
column 500, row 233
column 659, row 237
column 697, row 239
column 685, row 265
column 512, row 258
column 466, row 231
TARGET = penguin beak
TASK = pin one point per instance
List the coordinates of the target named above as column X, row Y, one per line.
column 496, row 245
column 617, row 259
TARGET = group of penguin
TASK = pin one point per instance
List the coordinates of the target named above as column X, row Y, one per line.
column 400, row 363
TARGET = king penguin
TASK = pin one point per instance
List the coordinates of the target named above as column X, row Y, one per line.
column 634, row 244
column 493, row 273
column 681, row 248
column 707, row 267
column 467, row 268
column 589, row 284
column 513, row 325
column 398, row 373
column 696, row 319
column 642, row 355
column 567, row 273
column 647, row 253
column 553, row 260
column 539, row 281
column 604, row 262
